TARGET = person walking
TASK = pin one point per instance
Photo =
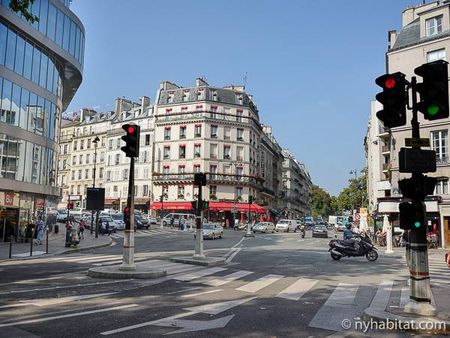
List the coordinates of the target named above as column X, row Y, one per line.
column 172, row 220
column 39, row 232
column 81, row 230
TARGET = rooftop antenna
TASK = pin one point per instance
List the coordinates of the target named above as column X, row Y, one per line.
column 245, row 79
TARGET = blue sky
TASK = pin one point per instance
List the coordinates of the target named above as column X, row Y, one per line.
column 310, row 65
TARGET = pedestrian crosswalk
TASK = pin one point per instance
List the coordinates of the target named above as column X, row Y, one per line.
column 439, row 271
column 150, row 232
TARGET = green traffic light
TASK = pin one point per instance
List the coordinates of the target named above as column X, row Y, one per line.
column 432, row 109
column 417, row 224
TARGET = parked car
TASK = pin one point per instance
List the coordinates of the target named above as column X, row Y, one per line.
column 190, row 218
column 212, row 231
column 140, row 223
column 320, row 231
column 286, row 225
column 118, row 220
column 264, row 227
column 153, row 220
column 105, row 221
column 61, row 215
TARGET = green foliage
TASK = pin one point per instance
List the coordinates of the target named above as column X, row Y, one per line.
column 23, row 7
column 354, row 196
column 322, row 203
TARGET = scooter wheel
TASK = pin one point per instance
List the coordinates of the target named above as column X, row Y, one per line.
column 336, row 257
column 372, row 255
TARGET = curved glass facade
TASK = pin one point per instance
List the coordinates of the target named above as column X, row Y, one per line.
column 26, row 59
column 57, row 26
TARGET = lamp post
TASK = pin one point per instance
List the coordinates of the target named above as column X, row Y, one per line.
column 95, row 141
column 249, row 230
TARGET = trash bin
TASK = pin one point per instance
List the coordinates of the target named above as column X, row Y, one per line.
column 56, row 228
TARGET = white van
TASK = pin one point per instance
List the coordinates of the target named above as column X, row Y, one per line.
column 188, row 218
column 286, row 225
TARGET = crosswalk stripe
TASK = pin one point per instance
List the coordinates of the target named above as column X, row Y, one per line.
column 197, row 274
column 344, row 294
column 404, row 297
column 260, row 283
column 296, row 290
column 228, row 278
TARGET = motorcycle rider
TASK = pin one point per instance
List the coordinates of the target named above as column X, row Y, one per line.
column 349, row 237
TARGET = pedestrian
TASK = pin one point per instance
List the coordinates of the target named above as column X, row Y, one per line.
column 181, row 223
column 447, row 258
column 172, row 221
column 81, row 229
column 39, row 232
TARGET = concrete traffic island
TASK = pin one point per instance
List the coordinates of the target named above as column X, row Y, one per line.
column 142, row 271
column 199, row 260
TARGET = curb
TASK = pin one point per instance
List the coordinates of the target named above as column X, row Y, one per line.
column 382, row 316
column 115, row 273
column 68, row 251
column 207, row 261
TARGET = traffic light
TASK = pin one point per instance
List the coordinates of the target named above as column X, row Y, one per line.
column 412, row 215
column 131, row 148
column 204, row 205
column 393, row 98
column 200, row 179
column 126, row 216
column 70, row 205
column 433, row 90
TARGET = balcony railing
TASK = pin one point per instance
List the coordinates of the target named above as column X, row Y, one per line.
column 211, row 177
column 442, row 160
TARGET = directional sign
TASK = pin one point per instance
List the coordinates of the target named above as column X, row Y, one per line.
column 417, row 142
column 417, row 160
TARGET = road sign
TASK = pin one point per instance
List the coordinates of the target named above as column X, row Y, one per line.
column 417, row 160
column 357, row 216
column 75, row 197
column 414, row 142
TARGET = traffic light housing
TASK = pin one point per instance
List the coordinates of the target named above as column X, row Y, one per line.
column 413, row 215
column 204, row 205
column 200, row 179
column 126, row 216
column 433, row 90
column 393, row 98
column 131, row 148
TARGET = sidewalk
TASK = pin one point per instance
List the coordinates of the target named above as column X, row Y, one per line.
column 56, row 246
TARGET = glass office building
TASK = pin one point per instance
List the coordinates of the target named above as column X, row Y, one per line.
column 41, row 67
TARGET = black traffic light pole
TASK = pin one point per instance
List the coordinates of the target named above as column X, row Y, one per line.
column 128, row 243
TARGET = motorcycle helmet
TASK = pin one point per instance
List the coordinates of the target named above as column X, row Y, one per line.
column 349, row 226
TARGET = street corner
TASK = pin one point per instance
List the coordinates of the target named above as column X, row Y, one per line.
column 123, row 271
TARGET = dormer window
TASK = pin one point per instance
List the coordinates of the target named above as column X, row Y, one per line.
column 433, row 26
column 214, row 96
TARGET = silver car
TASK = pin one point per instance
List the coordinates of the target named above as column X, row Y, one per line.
column 212, row 231
column 264, row 227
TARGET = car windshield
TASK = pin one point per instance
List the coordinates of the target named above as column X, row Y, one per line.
column 208, row 226
column 320, row 227
column 283, row 222
column 117, row 217
column 106, row 218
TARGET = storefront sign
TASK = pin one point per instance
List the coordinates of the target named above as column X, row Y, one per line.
column 9, row 199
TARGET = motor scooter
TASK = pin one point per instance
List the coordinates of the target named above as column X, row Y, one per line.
column 72, row 238
column 360, row 245
column 303, row 231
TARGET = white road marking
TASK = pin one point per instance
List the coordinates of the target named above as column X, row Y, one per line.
column 61, row 300
column 216, row 308
column 200, row 293
column 228, row 278
column 404, row 297
column 242, row 239
column 260, row 283
column 344, row 294
column 381, row 299
column 46, row 319
column 296, row 290
column 197, row 274
column 231, row 257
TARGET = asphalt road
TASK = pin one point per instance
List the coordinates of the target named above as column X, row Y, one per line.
column 274, row 285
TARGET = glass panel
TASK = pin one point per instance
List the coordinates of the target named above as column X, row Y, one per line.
column 28, row 60
column 6, row 100
column 66, row 38
column 59, row 27
column 51, row 119
column 3, row 36
column 43, row 17
column 10, row 49
column 77, row 43
column 36, row 65
column 40, row 116
column 2, row 154
column 55, row 81
column 28, row 168
column 20, row 50
column 23, row 120
column 15, row 106
column 36, row 165
column 35, row 10
column 11, row 154
column 82, row 49
column 51, row 70
column 72, row 38
column 51, row 22
column 32, row 112
column 21, row 160
column 43, row 77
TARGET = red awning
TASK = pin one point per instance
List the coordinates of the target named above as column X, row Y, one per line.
column 229, row 206
column 171, row 206
column 110, row 201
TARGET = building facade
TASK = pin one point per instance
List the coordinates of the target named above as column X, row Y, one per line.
column 40, row 65
column 424, row 37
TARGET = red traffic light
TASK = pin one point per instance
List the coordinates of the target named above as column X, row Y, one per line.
column 126, row 210
column 131, row 130
column 390, row 83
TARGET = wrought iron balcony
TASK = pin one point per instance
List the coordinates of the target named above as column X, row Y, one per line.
column 213, row 178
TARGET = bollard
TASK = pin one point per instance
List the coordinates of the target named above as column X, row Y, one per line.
column 31, row 243
column 46, row 242
column 10, row 246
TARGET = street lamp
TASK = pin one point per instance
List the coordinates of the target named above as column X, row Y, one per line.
column 95, row 141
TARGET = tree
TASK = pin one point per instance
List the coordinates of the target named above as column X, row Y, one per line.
column 354, row 196
column 23, row 7
column 322, row 203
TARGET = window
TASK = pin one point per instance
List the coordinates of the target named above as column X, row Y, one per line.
column 240, row 134
column 181, row 191
column 125, row 174
column 145, row 190
column 181, row 169
column 74, row 160
column 436, row 55
column 185, row 96
column 213, row 113
column 213, row 192
column 166, row 169
column 102, row 157
column 227, row 169
column 213, row 131
column 440, row 145
column 166, row 152
column 80, row 174
column 117, row 159
column 227, row 133
column 214, row 95
column 213, row 150
column 227, row 152
column 88, row 158
column 167, row 133
column 182, row 132
column 196, row 168
column 183, row 151
column 73, row 174
column 65, row 149
column 238, row 193
column 197, row 150
column 100, row 173
column 213, row 171
column 441, row 187
column 89, row 143
column 86, row 174
column 198, row 130
column 147, row 141
column 81, row 144
column 118, row 143
column 239, row 172
column 170, row 98
column 239, row 114
column 110, row 144
column 81, row 160
column 108, row 176
column 434, row 25
column 115, row 189
column 165, row 190
column 75, row 145
column 240, row 153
